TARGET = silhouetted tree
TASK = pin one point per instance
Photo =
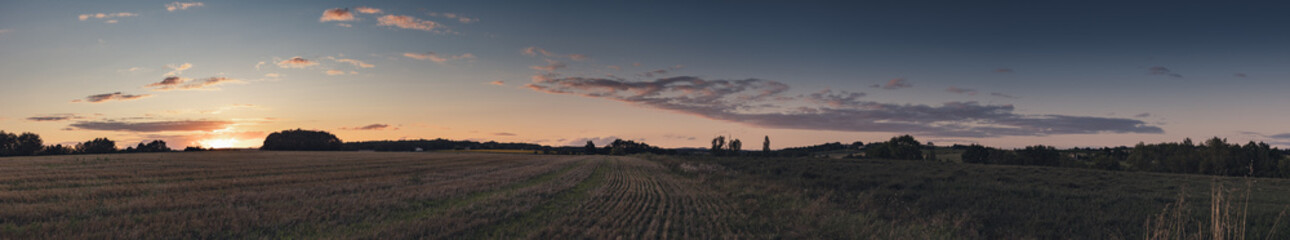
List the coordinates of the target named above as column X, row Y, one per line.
column 194, row 149
column 28, row 144
column 931, row 155
column 976, row 154
column 590, row 149
column 718, row 145
column 57, row 149
column 301, row 140
column 765, row 146
column 8, row 144
column 98, row 145
column 154, row 146
column 735, row 147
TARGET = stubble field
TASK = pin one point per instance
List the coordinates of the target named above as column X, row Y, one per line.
column 455, row 195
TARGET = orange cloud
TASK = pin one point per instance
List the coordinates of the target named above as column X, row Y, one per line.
column 354, row 62
column 367, row 10
column 408, row 22
column 458, row 17
column 177, row 83
column 296, row 62
column 336, row 14
column 498, row 83
column 334, row 72
column 436, row 58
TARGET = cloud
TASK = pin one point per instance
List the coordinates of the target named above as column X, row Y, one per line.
column 182, row 5
column 177, row 69
column 599, row 141
column 961, row 90
column 367, row 10
column 436, row 58
column 1142, row 115
column 375, row 126
column 118, row 96
column 132, row 69
column 354, row 62
column 894, row 84
column 296, row 62
column 3, row 31
column 157, row 126
column 1158, row 70
column 272, row 75
column 55, row 117
column 1003, row 70
column 84, row 17
column 551, row 66
column 334, row 72
column 503, row 134
column 458, row 17
column 336, row 14
column 408, row 22
column 759, row 103
column 828, row 98
column 498, row 83
column 179, row 83
column 1240, row 75
column 996, row 94
column 534, row 51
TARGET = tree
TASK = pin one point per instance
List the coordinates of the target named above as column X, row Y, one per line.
column 301, row 140
column 905, row 147
column 154, row 146
column 8, row 144
column 98, row 145
column 57, row 149
column 976, row 154
column 590, row 149
column 765, row 146
column 718, row 145
column 28, row 144
column 735, row 146
column 931, row 155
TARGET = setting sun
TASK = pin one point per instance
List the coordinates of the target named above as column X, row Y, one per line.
column 219, row 143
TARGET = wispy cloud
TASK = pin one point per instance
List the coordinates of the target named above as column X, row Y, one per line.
column 458, row 17
column 180, row 83
column 1142, row 115
column 84, row 17
column 893, row 84
column 367, row 10
column 551, row 66
column 1158, row 70
column 961, row 90
column 1003, row 70
column 498, row 83
column 174, row 6
column 409, row 22
column 996, row 94
column 336, row 14
column 296, row 62
column 157, row 126
column 504, row 134
column 116, row 96
column 354, row 62
column 177, row 69
column 374, row 126
column 758, row 102
column 1281, row 136
column 436, row 58
column 534, row 51
column 334, row 72
column 55, row 117
column 1240, row 75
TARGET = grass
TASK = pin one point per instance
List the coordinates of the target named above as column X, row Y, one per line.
column 476, row 195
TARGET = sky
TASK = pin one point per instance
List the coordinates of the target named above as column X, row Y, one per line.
column 670, row 73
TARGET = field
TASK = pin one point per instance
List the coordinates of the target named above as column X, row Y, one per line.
column 347, row 195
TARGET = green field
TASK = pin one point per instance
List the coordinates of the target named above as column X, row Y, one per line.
column 377, row 195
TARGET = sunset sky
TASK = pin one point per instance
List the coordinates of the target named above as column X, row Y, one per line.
column 674, row 74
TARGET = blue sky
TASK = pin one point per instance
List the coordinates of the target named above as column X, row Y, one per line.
column 1006, row 74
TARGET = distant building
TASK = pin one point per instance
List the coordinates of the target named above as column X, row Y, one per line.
column 418, row 150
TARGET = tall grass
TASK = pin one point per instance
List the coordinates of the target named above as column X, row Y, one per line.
column 1227, row 218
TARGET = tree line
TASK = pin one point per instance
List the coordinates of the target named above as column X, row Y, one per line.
column 1213, row 157
column 30, row 144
